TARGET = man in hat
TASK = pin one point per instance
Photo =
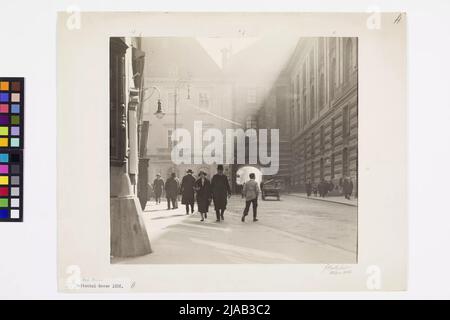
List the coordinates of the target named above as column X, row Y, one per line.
column 158, row 186
column 187, row 191
column 220, row 189
column 172, row 191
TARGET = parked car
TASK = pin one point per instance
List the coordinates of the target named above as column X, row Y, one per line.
column 271, row 188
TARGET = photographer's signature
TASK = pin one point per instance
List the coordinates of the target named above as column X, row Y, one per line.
column 337, row 269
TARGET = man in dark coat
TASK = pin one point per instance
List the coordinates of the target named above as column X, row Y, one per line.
column 187, row 191
column 158, row 186
column 347, row 187
column 203, row 190
column 308, row 188
column 171, row 188
column 221, row 190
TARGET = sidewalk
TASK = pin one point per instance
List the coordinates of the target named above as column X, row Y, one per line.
column 334, row 199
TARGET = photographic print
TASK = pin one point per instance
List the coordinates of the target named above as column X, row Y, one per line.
column 234, row 150
column 265, row 147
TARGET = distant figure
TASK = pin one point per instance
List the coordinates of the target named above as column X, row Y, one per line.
column 203, row 189
column 158, row 186
column 347, row 187
column 171, row 188
column 220, row 189
column 251, row 193
column 323, row 188
column 308, row 188
column 187, row 191
column 314, row 188
column 330, row 186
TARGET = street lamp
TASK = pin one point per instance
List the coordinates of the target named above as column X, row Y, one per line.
column 159, row 113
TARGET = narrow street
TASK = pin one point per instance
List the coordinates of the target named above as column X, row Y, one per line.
column 293, row 230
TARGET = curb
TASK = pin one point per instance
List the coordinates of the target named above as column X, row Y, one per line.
column 319, row 199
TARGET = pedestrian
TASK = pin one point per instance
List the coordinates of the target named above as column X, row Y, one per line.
column 251, row 193
column 187, row 191
column 330, row 186
column 171, row 188
column 320, row 188
column 158, row 186
column 308, row 188
column 315, row 189
column 323, row 188
column 220, row 189
column 347, row 187
column 203, row 193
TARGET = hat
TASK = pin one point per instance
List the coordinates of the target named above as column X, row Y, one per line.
column 202, row 173
column 189, row 171
column 158, row 174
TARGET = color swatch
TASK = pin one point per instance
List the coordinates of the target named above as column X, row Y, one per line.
column 11, row 149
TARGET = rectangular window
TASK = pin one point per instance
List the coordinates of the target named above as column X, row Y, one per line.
column 332, row 133
column 203, row 100
column 332, row 166
column 332, row 62
column 322, row 139
column 312, row 81
column 345, row 123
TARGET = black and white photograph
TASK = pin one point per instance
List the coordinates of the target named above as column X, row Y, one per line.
column 233, row 150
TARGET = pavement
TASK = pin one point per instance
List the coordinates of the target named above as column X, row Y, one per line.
column 336, row 199
column 292, row 230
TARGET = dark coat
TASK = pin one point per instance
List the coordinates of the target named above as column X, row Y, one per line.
column 308, row 187
column 171, row 188
column 158, row 186
column 220, row 189
column 187, row 189
column 347, row 186
column 203, row 195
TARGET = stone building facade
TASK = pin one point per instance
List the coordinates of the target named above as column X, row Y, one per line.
column 320, row 115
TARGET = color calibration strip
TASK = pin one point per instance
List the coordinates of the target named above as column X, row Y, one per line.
column 11, row 149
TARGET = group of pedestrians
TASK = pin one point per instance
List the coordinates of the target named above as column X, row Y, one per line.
column 204, row 192
column 324, row 187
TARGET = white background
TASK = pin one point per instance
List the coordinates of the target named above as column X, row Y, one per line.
column 28, row 48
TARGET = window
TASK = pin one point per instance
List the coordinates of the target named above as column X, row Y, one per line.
column 345, row 123
column 322, row 170
column 304, row 94
column 203, row 100
column 348, row 58
column 332, row 133
column 332, row 55
column 251, row 95
column 332, row 166
column 322, row 139
column 345, row 163
column 251, row 123
column 312, row 81
column 292, row 120
column 321, row 66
